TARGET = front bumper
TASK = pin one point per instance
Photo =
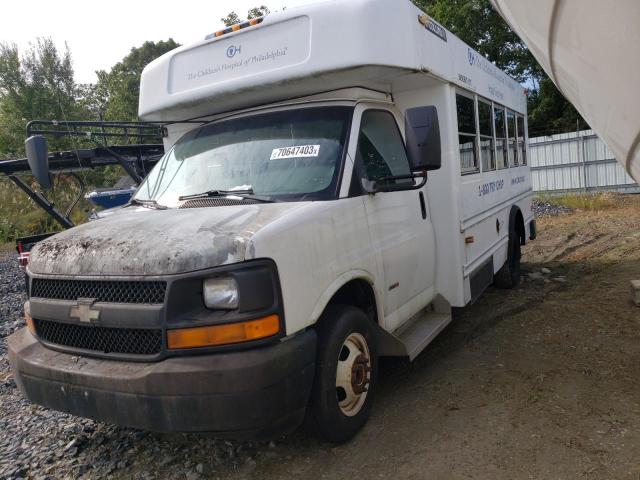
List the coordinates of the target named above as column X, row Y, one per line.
column 251, row 394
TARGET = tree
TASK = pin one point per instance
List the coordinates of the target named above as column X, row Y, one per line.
column 116, row 93
column 550, row 112
column 232, row 18
column 480, row 26
column 36, row 85
column 257, row 12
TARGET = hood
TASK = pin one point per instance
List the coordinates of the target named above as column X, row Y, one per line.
column 140, row 241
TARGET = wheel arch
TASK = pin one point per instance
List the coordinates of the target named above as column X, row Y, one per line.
column 516, row 224
column 355, row 288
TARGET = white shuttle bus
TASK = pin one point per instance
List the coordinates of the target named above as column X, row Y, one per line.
column 336, row 178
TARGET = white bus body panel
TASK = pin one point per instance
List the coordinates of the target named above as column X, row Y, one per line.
column 311, row 49
column 374, row 54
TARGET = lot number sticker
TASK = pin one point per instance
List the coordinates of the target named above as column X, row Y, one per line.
column 300, row 151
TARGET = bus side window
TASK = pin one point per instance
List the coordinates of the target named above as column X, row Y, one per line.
column 511, row 130
column 467, row 134
column 501, row 136
column 487, row 151
column 522, row 147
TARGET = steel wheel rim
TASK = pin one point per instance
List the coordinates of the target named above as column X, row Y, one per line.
column 353, row 374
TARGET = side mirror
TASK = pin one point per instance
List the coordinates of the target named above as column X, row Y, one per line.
column 422, row 132
column 38, row 158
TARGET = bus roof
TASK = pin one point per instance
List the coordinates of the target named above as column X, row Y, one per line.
column 315, row 48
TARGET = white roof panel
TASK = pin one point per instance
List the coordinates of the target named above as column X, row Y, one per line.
column 307, row 50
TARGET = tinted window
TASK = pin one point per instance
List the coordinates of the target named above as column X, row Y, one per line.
column 467, row 138
column 501, row 136
column 511, row 130
column 380, row 147
column 485, row 120
column 522, row 149
column 466, row 114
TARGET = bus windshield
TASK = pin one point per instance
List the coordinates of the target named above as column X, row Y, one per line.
column 287, row 155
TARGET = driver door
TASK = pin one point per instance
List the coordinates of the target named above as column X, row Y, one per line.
column 400, row 228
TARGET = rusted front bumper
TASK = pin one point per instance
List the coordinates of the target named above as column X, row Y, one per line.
column 252, row 394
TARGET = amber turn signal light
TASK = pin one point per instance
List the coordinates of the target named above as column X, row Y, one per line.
column 223, row 334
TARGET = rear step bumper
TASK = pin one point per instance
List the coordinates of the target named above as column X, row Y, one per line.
column 252, row 394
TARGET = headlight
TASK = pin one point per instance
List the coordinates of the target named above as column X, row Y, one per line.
column 220, row 293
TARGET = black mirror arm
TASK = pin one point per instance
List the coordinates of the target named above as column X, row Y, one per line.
column 394, row 188
column 128, row 167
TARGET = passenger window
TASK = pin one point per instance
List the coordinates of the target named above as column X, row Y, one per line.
column 487, row 152
column 381, row 148
column 467, row 134
column 513, row 147
column 501, row 137
column 522, row 147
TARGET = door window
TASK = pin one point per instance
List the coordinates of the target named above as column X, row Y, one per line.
column 381, row 149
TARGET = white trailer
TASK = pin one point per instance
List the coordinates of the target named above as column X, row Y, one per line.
column 356, row 175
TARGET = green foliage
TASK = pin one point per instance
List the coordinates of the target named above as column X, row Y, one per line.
column 257, row 12
column 550, row 112
column 480, row 26
column 20, row 216
column 232, row 18
column 116, row 94
column 38, row 85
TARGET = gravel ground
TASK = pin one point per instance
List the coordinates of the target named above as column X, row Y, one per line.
column 545, row 209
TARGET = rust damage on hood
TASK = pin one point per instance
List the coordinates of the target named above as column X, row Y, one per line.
column 139, row 241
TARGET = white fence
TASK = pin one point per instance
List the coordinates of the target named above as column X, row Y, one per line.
column 576, row 162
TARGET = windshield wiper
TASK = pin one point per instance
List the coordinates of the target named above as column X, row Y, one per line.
column 248, row 194
column 146, row 203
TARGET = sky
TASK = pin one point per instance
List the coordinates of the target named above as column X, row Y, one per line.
column 100, row 34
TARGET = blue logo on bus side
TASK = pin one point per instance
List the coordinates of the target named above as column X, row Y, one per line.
column 233, row 50
column 472, row 56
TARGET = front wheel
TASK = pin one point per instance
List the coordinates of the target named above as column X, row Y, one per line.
column 346, row 374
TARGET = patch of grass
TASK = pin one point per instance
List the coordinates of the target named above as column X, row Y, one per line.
column 20, row 216
column 7, row 248
column 584, row 201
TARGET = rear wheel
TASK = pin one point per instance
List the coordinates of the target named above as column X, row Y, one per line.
column 509, row 275
column 346, row 374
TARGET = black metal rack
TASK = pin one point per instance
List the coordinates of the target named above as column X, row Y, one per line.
column 136, row 154
column 138, row 157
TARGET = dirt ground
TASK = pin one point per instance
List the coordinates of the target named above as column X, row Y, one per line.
column 537, row 383
column 541, row 382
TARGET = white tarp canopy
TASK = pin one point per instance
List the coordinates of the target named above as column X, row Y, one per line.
column 591, row 50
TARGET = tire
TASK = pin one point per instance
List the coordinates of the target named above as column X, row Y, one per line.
column 509, row 275
column 346, row 374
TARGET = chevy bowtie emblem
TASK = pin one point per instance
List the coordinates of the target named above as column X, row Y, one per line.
column 84, row 311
